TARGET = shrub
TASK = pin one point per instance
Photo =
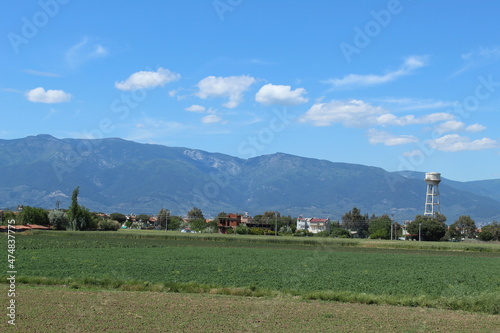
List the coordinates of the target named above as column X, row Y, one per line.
column 242, row 229
column 109, row 225
column 341, row 233
column 256, row 231
column 323, row 233
column 303, row 233
column 58, row 219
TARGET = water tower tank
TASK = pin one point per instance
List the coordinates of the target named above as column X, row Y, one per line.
column 433, row 178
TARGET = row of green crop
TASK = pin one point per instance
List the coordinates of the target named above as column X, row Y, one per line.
column 106, row 239
column 277, row 269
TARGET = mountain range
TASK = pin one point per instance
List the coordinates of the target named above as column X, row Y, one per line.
column 115, row 175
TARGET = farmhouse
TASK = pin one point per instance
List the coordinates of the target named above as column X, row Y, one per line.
column 313, row 224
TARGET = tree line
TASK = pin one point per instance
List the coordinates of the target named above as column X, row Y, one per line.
column 352, row 224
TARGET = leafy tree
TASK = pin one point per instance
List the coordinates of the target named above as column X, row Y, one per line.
column 119, row 217
column 494, row 229
column 432, row 228
column 380, row 227
column 8, row 216
column 79, row 217
column 485, row 236
column 198, row 224
column 215, row 221
column 195, row 213
column 143, row 218
column 174, row 222
column 58, row 219
column 258, row 218
column 354, row 221
column 34, row 215
column 163, row 216
column 463, row 227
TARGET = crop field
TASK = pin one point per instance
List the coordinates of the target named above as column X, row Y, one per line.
column 454, row 276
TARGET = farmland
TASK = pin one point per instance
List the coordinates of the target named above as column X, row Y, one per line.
column 254, row 275
column 464, row 276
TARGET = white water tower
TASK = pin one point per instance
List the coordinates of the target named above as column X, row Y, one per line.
column 432, row 205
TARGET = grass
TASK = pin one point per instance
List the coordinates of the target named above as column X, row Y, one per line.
column 439, row 275
column 50, row 309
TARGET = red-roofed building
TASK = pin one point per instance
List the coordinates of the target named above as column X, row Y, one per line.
column 313, row 225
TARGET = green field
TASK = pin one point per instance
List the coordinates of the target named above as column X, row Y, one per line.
column 441, row 275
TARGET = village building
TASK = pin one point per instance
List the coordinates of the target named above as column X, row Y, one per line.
column 313, row 224
column 231, row 221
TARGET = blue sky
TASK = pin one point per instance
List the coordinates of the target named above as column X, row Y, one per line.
column 395, row 84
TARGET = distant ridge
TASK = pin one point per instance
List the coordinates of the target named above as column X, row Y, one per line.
column 116, row 175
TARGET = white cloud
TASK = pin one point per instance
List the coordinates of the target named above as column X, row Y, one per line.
column 39, row 95
column 356, row 113
column 230, row 86
column 354, row 80
column 392, row 120
column 458, row 126
column 211, row 119
column 84, row 51
column 376, row 136
column 450, row 126
column 455, row 142
column 415, row 152
column 40, row 73
column 352, row 113
column 280, row 94
column 195, row 108
column 474, row 128
column 147, row 79
column 418, row 104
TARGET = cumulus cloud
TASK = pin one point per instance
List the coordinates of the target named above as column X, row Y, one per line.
column 458, row 126
column 232, row 87
column 356, row 113
column 279, row 94
column 376, row 137
column 455, row 142
column 355, row 80
column 474, row 128
column 147, row 79
column 39, row 95
column 195, row 108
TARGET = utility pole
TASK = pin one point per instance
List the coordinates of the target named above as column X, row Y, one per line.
column 419, row 232
column 275, row 224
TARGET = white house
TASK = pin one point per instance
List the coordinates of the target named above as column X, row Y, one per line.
column 313, row 224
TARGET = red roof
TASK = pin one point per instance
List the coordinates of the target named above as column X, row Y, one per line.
column 318, row 220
